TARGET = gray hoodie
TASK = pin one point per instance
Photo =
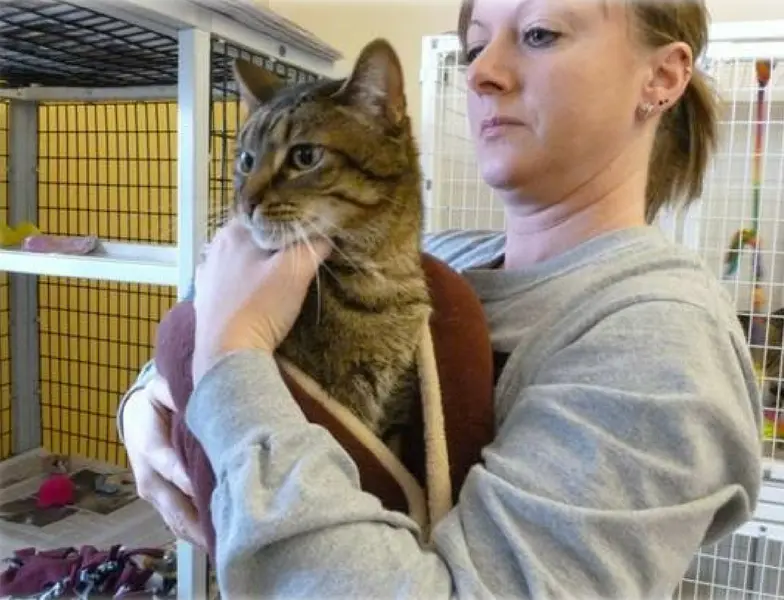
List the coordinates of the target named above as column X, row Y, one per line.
column 627, row 436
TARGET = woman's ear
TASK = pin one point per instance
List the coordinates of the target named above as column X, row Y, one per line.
column 671, row 66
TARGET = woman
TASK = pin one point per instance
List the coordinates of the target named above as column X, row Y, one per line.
column 628, row 413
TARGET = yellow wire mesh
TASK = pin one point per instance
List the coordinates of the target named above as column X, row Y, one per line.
column 105, row 169
column 108, row 170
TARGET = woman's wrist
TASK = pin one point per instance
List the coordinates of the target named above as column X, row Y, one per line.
column 208, row 351
column 126, row 399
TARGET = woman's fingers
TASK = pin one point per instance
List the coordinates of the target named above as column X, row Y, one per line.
column 160, row 477
column 176, row 509
column 160, row 392
column 165, row 462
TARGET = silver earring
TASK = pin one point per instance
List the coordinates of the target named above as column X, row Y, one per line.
column 644, row 110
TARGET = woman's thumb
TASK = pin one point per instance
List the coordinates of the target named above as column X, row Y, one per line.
column 304, row 258
column 319, row 250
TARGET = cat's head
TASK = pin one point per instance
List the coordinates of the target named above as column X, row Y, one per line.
column 330, row 158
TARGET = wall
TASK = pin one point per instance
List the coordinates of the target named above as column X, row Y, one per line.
column 348, row 26
column 747, row 10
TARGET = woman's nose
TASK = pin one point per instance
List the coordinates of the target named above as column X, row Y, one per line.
column 492, row 72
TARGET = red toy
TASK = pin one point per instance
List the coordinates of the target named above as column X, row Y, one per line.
column 57, row 490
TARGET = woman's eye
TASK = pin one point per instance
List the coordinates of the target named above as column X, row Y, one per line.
column 246, row 162
column 305, row 156
column 538, row 36
column 472, row 53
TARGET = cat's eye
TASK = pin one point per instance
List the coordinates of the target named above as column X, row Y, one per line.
column 246, row 162
column 305, row 156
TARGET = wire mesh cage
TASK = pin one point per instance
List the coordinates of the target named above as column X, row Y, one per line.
column 742, row 200
column 52, row 43
column 736, row 225
column 456, row 198
column 121, row 127
column 738, row 566
column 107, row 168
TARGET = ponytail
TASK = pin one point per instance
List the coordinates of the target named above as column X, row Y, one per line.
column 686, row 139
column 688, row 133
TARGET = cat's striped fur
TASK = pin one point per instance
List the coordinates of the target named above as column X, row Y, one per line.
column 337, row 159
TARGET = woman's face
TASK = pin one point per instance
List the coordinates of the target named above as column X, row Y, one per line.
column 553, row 86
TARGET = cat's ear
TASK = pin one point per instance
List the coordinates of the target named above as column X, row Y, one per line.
column 256, row 84
column 376, row 84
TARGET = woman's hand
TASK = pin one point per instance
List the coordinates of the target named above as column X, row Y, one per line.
column 247, row 298
column 160, row 476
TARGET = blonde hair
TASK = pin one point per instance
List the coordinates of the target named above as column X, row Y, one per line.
column 688, row 132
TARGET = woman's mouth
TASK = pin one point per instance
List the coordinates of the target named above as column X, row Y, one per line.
column 499, row 125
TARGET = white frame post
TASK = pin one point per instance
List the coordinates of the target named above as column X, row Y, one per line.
column 23, row 288
column 193, row 168
column 193, row 163
column 428, row 85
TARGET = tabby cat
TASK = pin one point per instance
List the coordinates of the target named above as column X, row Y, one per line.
column 337, row 160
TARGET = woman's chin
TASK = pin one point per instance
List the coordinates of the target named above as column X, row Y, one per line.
column 501, row 174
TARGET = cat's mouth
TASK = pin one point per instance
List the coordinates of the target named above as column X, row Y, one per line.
column 273, row 235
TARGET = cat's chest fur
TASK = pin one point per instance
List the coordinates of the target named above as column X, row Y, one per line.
column 357, row 337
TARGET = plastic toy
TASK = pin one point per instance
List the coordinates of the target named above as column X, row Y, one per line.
column 772, row 426
column 750, row 238
column 14, row 236
column 57, row 489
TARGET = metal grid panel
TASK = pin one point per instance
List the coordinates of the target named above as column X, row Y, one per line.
column 58, row 43
column 749, row 170
column 94, row 337
column 738, row 566
column 6, row 422
column 105, row 169
column 110, row 169
column 458, row 198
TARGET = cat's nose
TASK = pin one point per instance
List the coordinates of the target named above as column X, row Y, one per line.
column 248, row 203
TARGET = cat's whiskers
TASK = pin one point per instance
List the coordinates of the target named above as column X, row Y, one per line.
column 370, row 266
column 373, row 231
column 313, row 221
column 320, row 232
column 324, row 265
column 302, row 237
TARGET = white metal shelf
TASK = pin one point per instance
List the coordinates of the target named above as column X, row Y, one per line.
column 112, row 261
column 244, row 22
